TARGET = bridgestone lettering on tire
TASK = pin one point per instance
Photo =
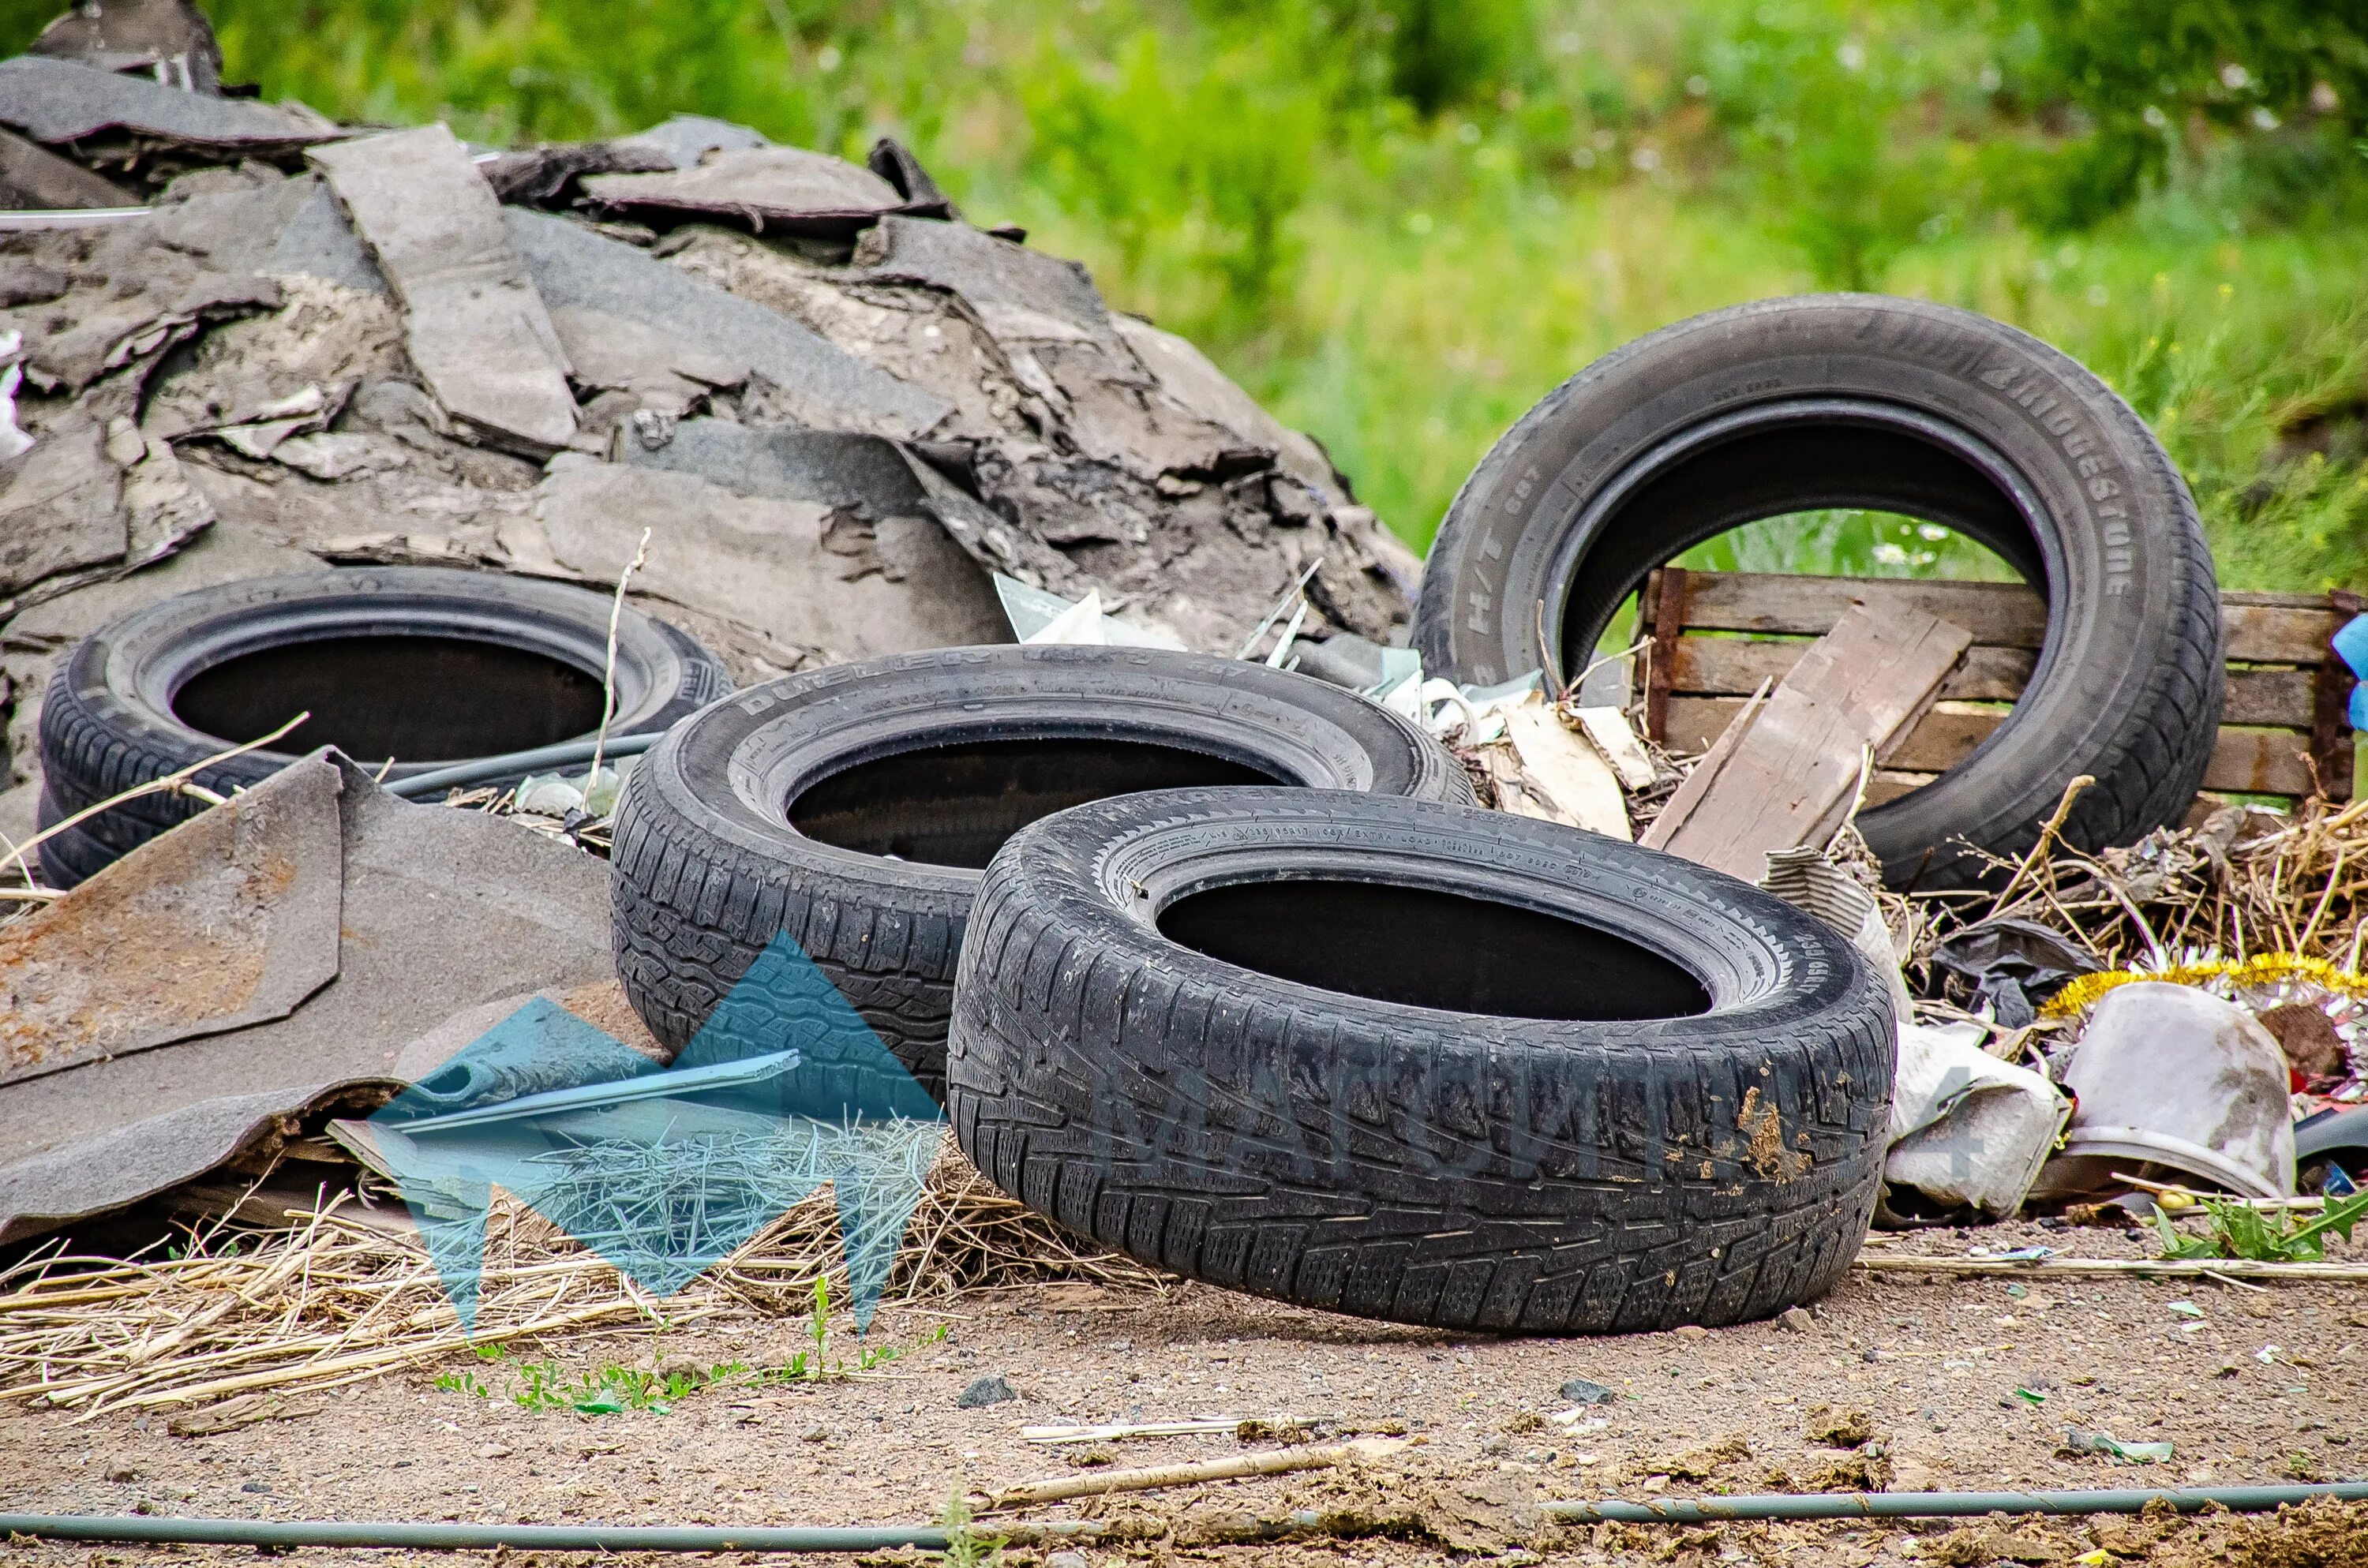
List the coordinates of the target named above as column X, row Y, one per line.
column 424, row 666
column 1790, row 405
column 853, row 807
column 1420, row 1061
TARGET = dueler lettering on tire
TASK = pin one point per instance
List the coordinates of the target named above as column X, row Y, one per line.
column 421, row 665
column 1862, row 401
column 1420, row 1061
column 853, row 807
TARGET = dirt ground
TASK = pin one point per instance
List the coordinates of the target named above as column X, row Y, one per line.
column 1962, row 1383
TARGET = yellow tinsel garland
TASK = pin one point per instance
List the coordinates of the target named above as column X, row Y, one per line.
column 2262, row 970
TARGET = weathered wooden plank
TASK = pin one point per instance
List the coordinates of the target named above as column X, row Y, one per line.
column 2258, row 762
column 2273, row 635
column 2260, row 628
column 1787, row 771
column 2006, row 615
column 473, row 324
column 1729, row 666
column 1732, row 666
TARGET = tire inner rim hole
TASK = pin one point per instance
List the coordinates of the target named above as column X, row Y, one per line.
column 1424, row 947
column 414, row 699
column 1797, row 466
column 954, row 805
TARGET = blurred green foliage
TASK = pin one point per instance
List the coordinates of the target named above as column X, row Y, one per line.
column 1401, row 222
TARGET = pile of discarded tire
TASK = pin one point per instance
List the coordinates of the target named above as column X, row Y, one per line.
column 1221, row 965
column 1356, row 1043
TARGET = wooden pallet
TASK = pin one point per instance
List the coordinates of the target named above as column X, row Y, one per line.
column 1716, row 636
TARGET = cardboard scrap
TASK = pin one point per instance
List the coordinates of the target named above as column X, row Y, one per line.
column 1567, row 772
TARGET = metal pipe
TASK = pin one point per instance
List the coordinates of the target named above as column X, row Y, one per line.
column 1946, row 1505
column 471, row 1538
column 486, row 767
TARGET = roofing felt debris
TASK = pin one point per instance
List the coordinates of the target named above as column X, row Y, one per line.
column 58, row 506
column 1020, row 295
column 169, row 40
column 686, row 139
column 824, row 385
column 474, row 325
column 863, row 473
column 127, row 296
column 772, row 189
column 437, row 910
column 542, row 176
column 58, row 101
column 801, row 570
column 31, row 176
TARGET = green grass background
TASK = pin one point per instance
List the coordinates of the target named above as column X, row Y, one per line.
column 1401, row 221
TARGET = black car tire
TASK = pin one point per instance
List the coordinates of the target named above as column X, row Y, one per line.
column 935, row 757
column 423, row 654
column 1421, row 1062
column 1852, row 400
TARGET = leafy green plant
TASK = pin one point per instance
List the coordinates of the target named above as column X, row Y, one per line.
column 816, row 1363
column 965, row 1546
column 2241, row 1230
column 2134, row 75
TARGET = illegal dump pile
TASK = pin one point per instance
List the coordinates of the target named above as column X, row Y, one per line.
column 276, row 342
column 1890, row 902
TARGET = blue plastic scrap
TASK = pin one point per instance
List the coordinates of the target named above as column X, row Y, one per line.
column 667, row 1170
column 2351, row 645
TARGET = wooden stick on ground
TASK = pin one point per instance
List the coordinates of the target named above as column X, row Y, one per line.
column 2180, row 1268
column 1274, row 1461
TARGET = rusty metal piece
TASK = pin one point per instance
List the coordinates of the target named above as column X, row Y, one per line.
column 230, row 922
column 439, row 911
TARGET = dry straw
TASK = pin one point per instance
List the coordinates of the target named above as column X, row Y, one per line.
column 2249, row 896
column 346, row 1294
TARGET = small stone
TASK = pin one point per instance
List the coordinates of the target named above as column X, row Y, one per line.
column 815, row 1434
column 122, row 1473
column 1067, row 1560
column 494, row 1452
column 1691, row 1331
column 1578, row 1391
column 1797, row 1319
column 992, row 1389
column 263, row 1487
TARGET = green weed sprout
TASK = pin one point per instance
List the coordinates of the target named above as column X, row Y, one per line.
column 2241, row 1230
